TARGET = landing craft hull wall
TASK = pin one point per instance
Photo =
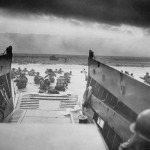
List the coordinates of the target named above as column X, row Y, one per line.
column 5, row 64
column 6, row 100
column 133, row 93
column 119, row 124
column 116, row 101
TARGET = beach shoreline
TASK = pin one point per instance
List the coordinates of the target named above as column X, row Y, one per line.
column 80, row 60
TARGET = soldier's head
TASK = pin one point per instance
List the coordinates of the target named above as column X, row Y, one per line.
column 142, row 125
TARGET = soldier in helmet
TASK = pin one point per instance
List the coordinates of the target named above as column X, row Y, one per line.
column 37, row 78
column 60, row 71
column 19, row 71
column 141, row 130
column 146, row 76
column 13, row 73
column 42, row 83
column 51, row 75
column 67, row 77
column 21, row 81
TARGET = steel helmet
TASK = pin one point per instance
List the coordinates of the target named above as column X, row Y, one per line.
column 142, row 125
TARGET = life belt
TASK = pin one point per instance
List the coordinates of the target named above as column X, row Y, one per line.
column 87, row 97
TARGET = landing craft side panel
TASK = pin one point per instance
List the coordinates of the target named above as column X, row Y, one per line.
column 5, row 64
column 6, row 101
column 133, row 93
column 114, row 119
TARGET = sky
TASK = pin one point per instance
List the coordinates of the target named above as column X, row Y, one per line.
column 108, row 27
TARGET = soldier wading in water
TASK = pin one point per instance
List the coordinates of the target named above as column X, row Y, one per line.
column 37, row 78
column 21, row 81
column 141, row 129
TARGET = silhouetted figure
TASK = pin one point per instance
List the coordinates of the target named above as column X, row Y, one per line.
column 42, row 84
column 126, row 72
column 25, row 70
column 131, row 74
column 13, row 73
column 46, row 84
column 70, row 73
column 148, row 80
column 50, row 74
column 19, row 71
column 31, row 72
column 37, row 78
column 61, row 84
column 67, row 77
column 60, row 71
column 146, row 76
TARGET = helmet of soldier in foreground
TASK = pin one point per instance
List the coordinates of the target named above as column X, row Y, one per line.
column 142, row 125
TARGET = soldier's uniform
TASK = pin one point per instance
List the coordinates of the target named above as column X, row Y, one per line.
column 146, row 76
column 41, row 84
column 22, row 81
column 37, row 78
column 61, row 84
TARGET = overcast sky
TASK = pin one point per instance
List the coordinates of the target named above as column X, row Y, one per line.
column 108, row 27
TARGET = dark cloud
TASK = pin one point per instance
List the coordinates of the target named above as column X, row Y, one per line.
column 132, row 12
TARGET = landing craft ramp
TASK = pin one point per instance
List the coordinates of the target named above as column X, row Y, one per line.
column 42, row 121
column 44, row 108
